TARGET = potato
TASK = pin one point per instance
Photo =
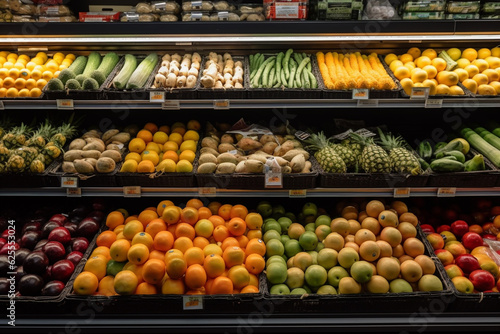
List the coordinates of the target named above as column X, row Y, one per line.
column 105, row 165
column 286, row 170
column 94, row 154
column 83, row 167
column 95, row 145
column 227, row 157
column 209, row 150
column 227, row 138
column 259, row 157
column 91, row 161
column 240, row 167
column 269, row 147
column 254, row 166
column 267, row 138
column 298, row 163
column 248, row 144
column 225, row 168
column 68, row 167
column 207, row 167
column 108, row 134
column 77, row 144
column 209, row 142
column 73, row 155
column 91, row 134
column 122, row 137
column 292, row 153
column 285, row 147
column 226, row 147
column 282, row 162
column 207, row 157
column 307, row 167
column 114, row 147
column 116, row 156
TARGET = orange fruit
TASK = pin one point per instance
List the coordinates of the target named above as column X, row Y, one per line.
column 242, row 240
column 173, row 253
column 164, row 128
column 255, row 246
column 212, row 249
column 250, row 289
column 194, row 255
column 97, row 266
column 86, row 283
column 222, row 286
column 125, row 282
column 254, row 234
column 137, row 145
column 233, row 256
column 173, row 286
column 155, row 226
column 225, row 211
column 214, row 207
column 170, row 155
column 102, row 250
column 146, row 216
column 238, row 210
column 151, row 127
column 145, row 135
column 132, row 228
column 106, row 286
column 239, row 275
column 214, row 265
column 151, row 156
column 413, row 247
column 189, row 215
column 114, row 219
column 145, row 166
column 236, row 226
column 194, row 203
column 220, row 233
column 138, row 254
column 143, row 238
column 162, row 205
column 217, row 220
column 183, row 244
column 171, row 215
column 176, row 268
column 163, row 241
column 229, row 242
column 106, row 238
column 204, row 228
column 153, row 271
column 204, row 213
column 156, row 254
column 170, row 146
column 255, row 263
column 254, row 221
column 119, row 250
column 188, row 155
column 200, row 242
column 185, row 230
column 160, row 137
column 195, row 277
column 146, row 289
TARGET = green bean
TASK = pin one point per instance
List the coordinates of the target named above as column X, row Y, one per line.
column 293, row 70
column 305, row 79
column 279, row 59
column 257, row 78
column 270, row 81
column 251, row 62
column 312, row 78
column 286, row 60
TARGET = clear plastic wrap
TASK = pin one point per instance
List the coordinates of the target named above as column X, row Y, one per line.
column 490, row 7
column 53, row 10
column 23, row 18
column 150, row 17
column 425, row 6
column 157, row 7
column 196, row 16
column 463, row 7
column 470, row 16
column 379, row 10
column 18, row 7
column 201, row 5
column 5, row 15
column 67, row 18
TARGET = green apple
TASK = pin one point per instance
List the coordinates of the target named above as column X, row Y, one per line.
column 319, row 247
column 285, row 223
column 310, row 227
column 298, row 291
column 361, row 271
column 279, row 289
column 265, row 209
column 292, row 247
column 310, row 209
column 284, row 238
column 272, row 225
column 314, row 256
column 295, row 278
column 276, row 273
column 323, row 220
column 271, row 234
column 308, row 240
column 316, row 275
column 327, row 257
column 326, row 290
column 279, row 210
column 335, row 275
column 291, row 216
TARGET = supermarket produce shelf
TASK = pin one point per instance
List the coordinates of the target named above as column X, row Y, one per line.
column 254, row 103
column 278, row 193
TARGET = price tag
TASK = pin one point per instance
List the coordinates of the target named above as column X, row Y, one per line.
column 273, row 179
column 402, row 192
column 2, row 107
column 69, row 182
column 297, row 193
column 74, row 192
column 192, row 302
column 171, row 105
column 434, row 103
column 419, row 93
column 221, row 104
column 156, row 96
column 446, row 192
column 132, row 191
column 360, row 94
column 367, row 103
column 207, row 191
column 66, row 104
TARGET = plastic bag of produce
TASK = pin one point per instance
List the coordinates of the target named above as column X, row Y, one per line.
column 379, row 10
column 494, row 249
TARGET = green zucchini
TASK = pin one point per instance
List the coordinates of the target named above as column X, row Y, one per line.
column 120, row 81
column 78, row 66
column 438, row 145
column 93, row 62
column 108, row 63
column 446, row 165
column 424, row 150
column 98, row 76
column 454, row 153
column 481, row 145
column 142, row 72
column 475, row 164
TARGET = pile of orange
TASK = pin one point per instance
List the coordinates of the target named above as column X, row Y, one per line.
column 25, row 76
column 163, row 149
column 197, row 249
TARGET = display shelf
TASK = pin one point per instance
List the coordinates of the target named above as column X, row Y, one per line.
column 279, row 193
column 255, row 104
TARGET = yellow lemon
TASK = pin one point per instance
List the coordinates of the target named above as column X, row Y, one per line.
column 188, row 145
column 470, row 54
column 191, row 135
column 184, row 166
column 166, row 166
column 133, row 156
column 187, row 155
column 129, row 166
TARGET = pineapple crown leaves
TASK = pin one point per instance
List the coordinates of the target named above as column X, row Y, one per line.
column 362, row 140
column 317, row 141
column 389, row 142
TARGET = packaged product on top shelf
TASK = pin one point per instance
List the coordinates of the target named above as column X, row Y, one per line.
column 286, row 9
column 251, row 12
column 5, row 15
column 336, row 10
column 53, row 10
column 470, row 16
column 423, row 9
column 163, row 11
column 463, row 7
column 99, row 16
column 379, row 10
column 490, row 10
column 20, row 8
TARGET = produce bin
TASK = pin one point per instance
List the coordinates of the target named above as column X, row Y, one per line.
column 223, row 93
column 86, row 180
column 29, row 179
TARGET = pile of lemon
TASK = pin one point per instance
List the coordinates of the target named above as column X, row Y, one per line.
column 25, row 76
column 165, row 149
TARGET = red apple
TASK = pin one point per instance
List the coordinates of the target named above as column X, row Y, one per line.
column 459, row 228
column 40, row 244
column 71, row 228
column 30, row 239
column 54, row 250
column 3, row 241
column 79, row 244
column 427, row 228
column 442, row 228
column 467, row 263
column 32, row 226
column 74, row 257
column 60, row 234
column 88, row 227
column 96, row 215
column 59, row 218
column 472, row 240
column 489, row 236
column 53, row 288
column 482, row 280
column 62, row 270
column 9, row 247
column 48, row 227
column 453, row 270
column 36, row 263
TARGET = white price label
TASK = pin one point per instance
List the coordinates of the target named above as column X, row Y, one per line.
column 65, row 104
column 402, row 192
column 74, row 192
column 171, row 105
column 132, row 191
column 297, row 193
column 69, row 182
column 287, row 10
column 156, row 96
column 192, row 302
column 273, row 180
column 221, row 104
column 207, row 191
column 2, row 107
column 419, row 93
column 360, row 94
column 367, row 103
column 446, row 192
column 434, row 103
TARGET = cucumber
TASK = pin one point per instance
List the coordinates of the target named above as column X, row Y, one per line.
column 98, row 76
column 55, row 84
column 66, row 75
column 80, row 78
column 457, row 154
column 120, row 81
column 108, row 63
column 93, row 62
column 73, row 84
column 90, row 84
column 142, row 72
column 78, row 66
column 451, row 146
column 475, row 164
column 446, row 165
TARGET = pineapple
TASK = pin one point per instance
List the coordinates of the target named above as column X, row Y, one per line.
column 37, row 166
column 4, row 153
column 374, row 159
column 27, row 153
column 346, row 154
column 16, row 164
column 329, row 160
column 356, row 148
column 402, row 160
column 40, row 136
column 63, row 133
column 5, row 125
column 16, row 137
